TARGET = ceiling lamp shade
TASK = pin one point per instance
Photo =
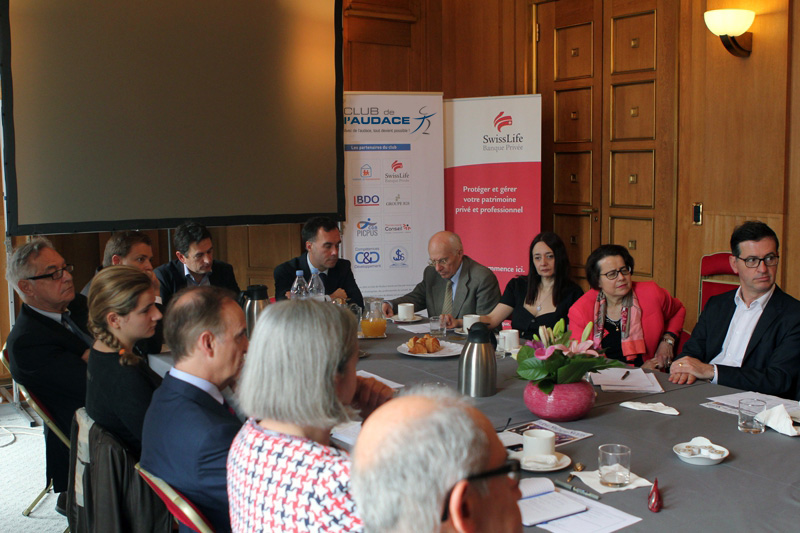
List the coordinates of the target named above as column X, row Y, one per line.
column 728, row 24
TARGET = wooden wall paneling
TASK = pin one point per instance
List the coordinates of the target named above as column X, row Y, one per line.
column 639, row 134
column 732, row 154
column 569, row 53
column 790, row 245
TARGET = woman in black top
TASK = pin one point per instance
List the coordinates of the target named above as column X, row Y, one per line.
column 119, row 383
column 543, row 296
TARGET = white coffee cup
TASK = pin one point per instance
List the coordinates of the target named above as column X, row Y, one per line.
column 538, row 442
column 405, row 312
column 510, row 338
column 469, row 320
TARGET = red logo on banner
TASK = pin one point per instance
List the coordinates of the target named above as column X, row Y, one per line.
column 501, row 121
column 397, row 165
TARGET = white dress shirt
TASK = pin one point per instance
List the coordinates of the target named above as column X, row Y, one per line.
column 741, row 328
column 200, row 383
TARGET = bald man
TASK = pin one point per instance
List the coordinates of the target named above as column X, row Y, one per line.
column 473, row 288
column 430, row 462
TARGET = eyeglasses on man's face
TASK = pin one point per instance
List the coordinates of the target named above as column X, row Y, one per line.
column 441, row 262
column 510, row 468
column 55, row 275
column 753, row 262
column 612, row 274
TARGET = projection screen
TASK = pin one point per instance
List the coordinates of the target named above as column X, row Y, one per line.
column 141, row 114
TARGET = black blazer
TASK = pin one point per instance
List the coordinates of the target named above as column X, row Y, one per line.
column 772, row 359
column 338, row 277
column 185, row 442
column 45, row 357
column 172, row 278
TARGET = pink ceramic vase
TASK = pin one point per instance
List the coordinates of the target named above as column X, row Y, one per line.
column 569, row 401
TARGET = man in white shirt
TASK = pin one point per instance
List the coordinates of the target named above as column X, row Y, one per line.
column 749, row 338
column 429, row 462
column 189, row 426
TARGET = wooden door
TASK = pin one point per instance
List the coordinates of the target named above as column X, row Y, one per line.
column 607, row 74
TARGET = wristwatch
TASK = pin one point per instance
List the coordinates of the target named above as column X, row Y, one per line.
column 669, row 340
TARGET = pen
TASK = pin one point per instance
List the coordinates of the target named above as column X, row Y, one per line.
column 575, row 489
column 625, row 375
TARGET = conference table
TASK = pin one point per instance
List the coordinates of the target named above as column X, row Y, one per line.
column 756, row 488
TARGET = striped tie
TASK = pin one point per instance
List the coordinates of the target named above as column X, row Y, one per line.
column 447, row 305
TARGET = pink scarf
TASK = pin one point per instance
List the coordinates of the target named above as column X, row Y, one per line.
column 630, row 325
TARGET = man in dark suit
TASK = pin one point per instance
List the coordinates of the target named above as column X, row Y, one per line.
column 48, row 346
column 195, row 265
column 322, row 239
column 453, row 285
column 749, row 338
column 189, row 427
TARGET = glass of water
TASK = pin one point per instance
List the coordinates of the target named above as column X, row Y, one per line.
column 614, row 461
column 749, row 408
column 437, row 326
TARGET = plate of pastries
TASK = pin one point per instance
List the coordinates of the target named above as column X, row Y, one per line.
column 430, row 347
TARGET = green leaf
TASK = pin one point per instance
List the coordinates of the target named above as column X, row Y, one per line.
column 532, row 369
column 546, row 385
column 587, row 331
column 525, row 353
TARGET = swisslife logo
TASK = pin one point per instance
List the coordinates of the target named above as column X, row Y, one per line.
column 396, row 165
column 502, row 142
column 502, row 120
column 397, row 171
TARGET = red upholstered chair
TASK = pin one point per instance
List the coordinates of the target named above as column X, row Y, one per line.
column 182, row 509
column 716, row 264
column 42, row 411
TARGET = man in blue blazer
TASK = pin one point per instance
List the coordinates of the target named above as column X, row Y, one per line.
column 189, row 427
column 322, row 239
column 749, row 338
column 195, row 264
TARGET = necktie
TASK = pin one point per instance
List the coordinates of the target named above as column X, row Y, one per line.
column 70, row 324
column 447, row 305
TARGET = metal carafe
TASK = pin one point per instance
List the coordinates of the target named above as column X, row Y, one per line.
column 256, row 299
column 477, row 367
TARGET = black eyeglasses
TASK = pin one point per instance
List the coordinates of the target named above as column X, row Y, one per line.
column 753, row 262
column 510, row 468
column 612, row 274
column 56, row 274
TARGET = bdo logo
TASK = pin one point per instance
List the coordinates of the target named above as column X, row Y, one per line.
column 367, row 200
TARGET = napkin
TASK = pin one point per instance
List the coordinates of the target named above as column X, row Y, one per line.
column 539, row 461
column 657, row 407
column 778, row 419
column 592, row 479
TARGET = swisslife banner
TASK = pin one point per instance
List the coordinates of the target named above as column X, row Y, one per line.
column 393, row 147
column 493, row 174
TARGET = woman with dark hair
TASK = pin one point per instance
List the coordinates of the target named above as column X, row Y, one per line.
column 636, row 322
column 119, row 384
column 544, row 296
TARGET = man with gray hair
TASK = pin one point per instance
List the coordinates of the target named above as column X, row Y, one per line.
column 48, row 347
column 430, row 461
column 453, row 284
column 189, row 427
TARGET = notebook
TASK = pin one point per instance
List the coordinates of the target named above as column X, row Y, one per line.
column 541, row 502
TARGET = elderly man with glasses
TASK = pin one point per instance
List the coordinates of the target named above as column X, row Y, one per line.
column 49, row 345
column 429, row 461
column 453, row 285
column 749, row 338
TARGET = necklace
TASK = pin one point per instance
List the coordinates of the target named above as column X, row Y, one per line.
column 615, row 323
column 541, row 298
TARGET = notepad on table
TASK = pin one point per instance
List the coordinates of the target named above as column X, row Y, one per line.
column 541, row 502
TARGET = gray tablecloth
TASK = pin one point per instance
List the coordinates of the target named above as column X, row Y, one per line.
column 757, row 488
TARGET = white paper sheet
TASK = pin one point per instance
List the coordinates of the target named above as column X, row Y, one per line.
column 599, row 518
column 637, row 380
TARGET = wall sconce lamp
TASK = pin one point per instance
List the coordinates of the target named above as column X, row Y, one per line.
column 731, row 26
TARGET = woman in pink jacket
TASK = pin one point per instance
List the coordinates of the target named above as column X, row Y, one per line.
column 635, row 322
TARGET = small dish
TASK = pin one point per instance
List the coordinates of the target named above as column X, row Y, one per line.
column 449, row 349
column 460, row 331
column 416, row 318
column 700, row 451
column 563, row 462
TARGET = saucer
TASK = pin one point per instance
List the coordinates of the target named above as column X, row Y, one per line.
column 700, row 459
column 416, row 318
column 362, row 337
column 460, row 331
column 563, row 462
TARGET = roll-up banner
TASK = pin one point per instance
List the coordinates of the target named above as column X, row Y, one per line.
column 394, row 182
column 493, row 166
